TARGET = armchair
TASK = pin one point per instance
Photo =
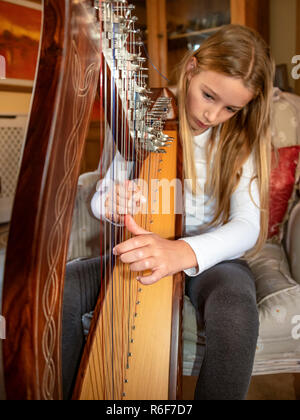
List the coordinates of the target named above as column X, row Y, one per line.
column 277, row 273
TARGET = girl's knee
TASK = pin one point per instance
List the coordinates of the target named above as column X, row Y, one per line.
column 234, row 297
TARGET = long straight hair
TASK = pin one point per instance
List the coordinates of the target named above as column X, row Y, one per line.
column 241, row 53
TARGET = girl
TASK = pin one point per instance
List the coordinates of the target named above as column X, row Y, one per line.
column 224, row 95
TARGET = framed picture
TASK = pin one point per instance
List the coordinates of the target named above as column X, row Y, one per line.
column 20, row 26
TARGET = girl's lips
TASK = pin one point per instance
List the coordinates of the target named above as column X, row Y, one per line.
column 201, row 125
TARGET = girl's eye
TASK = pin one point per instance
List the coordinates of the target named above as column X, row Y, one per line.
column 231, row 110
column 207, row 96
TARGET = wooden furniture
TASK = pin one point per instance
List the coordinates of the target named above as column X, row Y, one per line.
column 252, row 13
column 38, row 239
column 33, row 291
column 165, row 49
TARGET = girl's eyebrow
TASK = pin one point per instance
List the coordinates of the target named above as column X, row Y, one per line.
column 211, row 91
column 238, row 108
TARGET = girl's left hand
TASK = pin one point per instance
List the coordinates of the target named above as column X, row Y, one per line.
column 148, row 251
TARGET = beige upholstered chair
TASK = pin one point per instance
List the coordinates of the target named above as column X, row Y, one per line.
column 277, row 272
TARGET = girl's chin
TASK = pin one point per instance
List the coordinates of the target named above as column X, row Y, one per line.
column 197, row 131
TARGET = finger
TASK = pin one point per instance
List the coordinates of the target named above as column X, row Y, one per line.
column 122, row 198
column 117, row 205
column 153, row 278
column 114, row 218
column 112, row 203
column 125, row 194
column 128, row 203
column 118, row 191
column 114, row 209
column 144, row 265
column 134, row 228
column 132, row 243
column 135, row 255
column 128, row 209
column 136, row 197
column 132, row 186
column 127, row 187
column 122, row 209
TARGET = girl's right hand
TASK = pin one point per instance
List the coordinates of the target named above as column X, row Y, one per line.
column 124, row 198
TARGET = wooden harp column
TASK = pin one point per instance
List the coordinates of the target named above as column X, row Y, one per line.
column 63, row 97
column 68, row 73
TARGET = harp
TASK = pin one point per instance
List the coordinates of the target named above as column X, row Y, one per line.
column 133, row 353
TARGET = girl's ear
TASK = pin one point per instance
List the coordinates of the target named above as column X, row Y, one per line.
column 191, row 66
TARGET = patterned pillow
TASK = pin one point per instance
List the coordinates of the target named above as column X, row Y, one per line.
column 283, row 183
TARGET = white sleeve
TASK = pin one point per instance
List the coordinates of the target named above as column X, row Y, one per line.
column 239, row 235
column 118, row 172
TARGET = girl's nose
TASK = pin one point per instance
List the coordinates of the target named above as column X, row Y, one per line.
column 211, row 115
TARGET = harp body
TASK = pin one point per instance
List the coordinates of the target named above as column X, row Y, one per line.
column 136, row 338
column 68, row 74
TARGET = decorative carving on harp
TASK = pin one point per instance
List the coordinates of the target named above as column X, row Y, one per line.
column 133, row 347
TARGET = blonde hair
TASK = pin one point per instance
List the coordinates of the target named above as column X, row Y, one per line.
column 238, row 52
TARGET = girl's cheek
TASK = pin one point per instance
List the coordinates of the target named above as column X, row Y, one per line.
column 199, row 101
column 195, row 103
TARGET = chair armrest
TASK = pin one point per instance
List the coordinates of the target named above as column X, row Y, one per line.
column 293, row 242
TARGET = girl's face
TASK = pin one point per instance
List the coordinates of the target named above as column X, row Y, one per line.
column 214, row 98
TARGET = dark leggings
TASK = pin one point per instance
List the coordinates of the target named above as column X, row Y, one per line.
column 225, row 299
column 82, row 285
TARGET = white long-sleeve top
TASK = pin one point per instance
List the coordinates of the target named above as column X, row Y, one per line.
column 210, row 245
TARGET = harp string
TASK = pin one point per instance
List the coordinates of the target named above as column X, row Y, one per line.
column 96, row 386
column 115, row 137
column 126, row 118
column 107, row 261
column 117, row 342
column 92, row 366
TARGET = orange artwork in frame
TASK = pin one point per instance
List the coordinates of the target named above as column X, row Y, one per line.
column 20, row 26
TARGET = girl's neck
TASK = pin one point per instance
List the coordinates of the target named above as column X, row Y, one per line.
column 197, row 134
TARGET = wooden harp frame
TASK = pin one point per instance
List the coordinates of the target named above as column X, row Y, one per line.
column 63, row 96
